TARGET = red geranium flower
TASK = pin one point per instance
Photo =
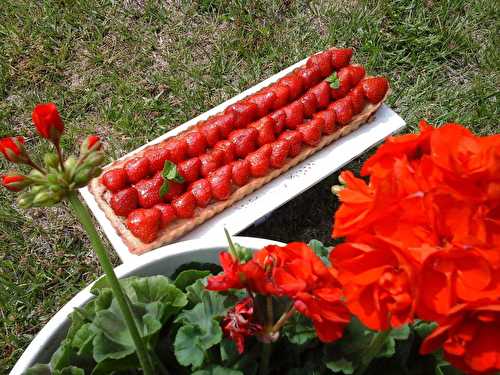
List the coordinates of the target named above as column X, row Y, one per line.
column 230, row 278
column 239, row 323
column 93, row 142
column 469, row 337
column 13, row 182
column 47, row 121
column 11, row 148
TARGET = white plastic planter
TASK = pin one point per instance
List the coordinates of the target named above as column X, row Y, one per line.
column 162, row 261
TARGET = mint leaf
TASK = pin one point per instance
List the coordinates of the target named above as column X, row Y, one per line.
column 333, row 80
column 170, row 172
column 164, row 188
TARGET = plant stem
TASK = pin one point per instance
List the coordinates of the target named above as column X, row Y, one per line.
column 282, row 321
column 83, row 215
column 32, row 164
column 232, row 248
column 60, row 156
column 373, row 350
column 265, row 358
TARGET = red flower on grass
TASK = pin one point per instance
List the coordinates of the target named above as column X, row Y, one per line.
column 11, row 148
column 469, row 337
column 239, row 323
column 47, row 121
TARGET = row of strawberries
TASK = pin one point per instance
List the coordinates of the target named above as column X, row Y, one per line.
column 232, row 159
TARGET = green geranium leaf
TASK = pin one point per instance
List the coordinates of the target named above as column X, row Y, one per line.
column 333, row 80
column 61, row 358
column 228, row 351
column 109, row 366
column 105, row 349
column 320, row 250
column 211, row 307
column 217, row 370
column 113, row 327
column 424, row 328
column 157, row 289
column 82, row 340
column 197, row 290
column 188, row 277
column 299, row 330
column 188, row 348
column 38, row 369
column 71, row 370
column 341, row 366
column 214, row 269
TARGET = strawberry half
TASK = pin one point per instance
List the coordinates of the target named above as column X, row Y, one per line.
column 279, row 153
column 282, row 93
column 310, row 76
column 357, row 97
column 323, row 61
column 244, row 113
column 294, row 113
column 264, row 100
column 167, row 214
column 357, row 73
column 228, row 150
column 137, row 169
column 265, row 128
column 148, row 191
column 295, row 139
column 279, row 119
column 322, row 93
column 115, row 179
column 294, row 83
column 144, row 223
column 218, row 156
column 340, row 57
column 201, row 192
column 196, row 143
column 240, row 172
column 190, row 169
column 157, row 156
column 174, row 190
column 259, row 161
column 184, row 205
column 220, row 183
column 208, row 164
column 329, row 120
column 124, row 201
column 310, row 103
column 375, row 88
column 211, row 132
column 244, row 141
column 343, row 110
column 311, row 131
column 345, row 84
column 177, row 150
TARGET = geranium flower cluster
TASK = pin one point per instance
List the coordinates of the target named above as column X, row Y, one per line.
column 292, row 272
column 423, row 240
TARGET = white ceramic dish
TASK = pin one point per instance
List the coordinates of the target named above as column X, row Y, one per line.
column 280, row 190
column 162, row 261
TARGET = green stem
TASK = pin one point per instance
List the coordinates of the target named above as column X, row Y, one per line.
column 265, row 358
column 60, row 156
column 373, row 350
column 232, row 248
column 84, row 216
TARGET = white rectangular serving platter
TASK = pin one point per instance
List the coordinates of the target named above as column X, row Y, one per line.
column 277, row 192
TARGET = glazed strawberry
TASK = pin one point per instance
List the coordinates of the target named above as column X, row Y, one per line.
column 375, row 88
column 115, row 179
column 201, row 192
column 323, row 61
column 264, row 100
column 265, row 127
column 294, row 83
column 310, row 76
column 294, row 114
column 295, row 139
column 137, row 169
column 224, row 122
column 244, row 141
column 311, row 131
column 218, row 156
column 357, row 97
column 240, row 172
column 157, row 156
column 340, row 57
column 244, row 111
column 167, row 214
column 279, row 153
column 177, row 149
column 329, row 120
column 259, row 161
column 227, row 149
column 196, row 143
column 124, row 201
column 211, row 132
column 144, row 223
column 190, row 169
column 282, row 93
column 279, row 119
column 343, row 110
column 148, row 191
column 174, row 190
column 322, row 93
column 220, row 183
column 310, row 103
column 184, row 205
column 357, row 73
column 208, row 164
column 344, row 84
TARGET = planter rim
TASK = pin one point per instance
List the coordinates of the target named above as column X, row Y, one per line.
column 48, row 332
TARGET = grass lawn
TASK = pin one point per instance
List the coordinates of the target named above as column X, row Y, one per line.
column 130, row 71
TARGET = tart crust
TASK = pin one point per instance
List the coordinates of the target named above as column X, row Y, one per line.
column 179, row 227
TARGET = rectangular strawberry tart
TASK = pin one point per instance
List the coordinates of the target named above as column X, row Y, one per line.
column 165, row 190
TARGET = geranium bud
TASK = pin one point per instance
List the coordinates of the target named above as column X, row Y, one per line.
column 13, row 150
column 48, row 122
column 15, row 182
column 94, row 159
column 42, row 197
column 25, row 200
column 83, row 176
column 37, row 175
column 69, row 165
column 51, row 160
column 92, row 143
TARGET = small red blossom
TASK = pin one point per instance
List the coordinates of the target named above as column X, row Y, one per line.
column 230, row 278
column 14, row 182
column 47, row 121
column 11, row 148
column 469, row 337
column 240, row 323
column 93, row 142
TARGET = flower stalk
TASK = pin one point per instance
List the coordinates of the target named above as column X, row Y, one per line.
column 373, row 350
